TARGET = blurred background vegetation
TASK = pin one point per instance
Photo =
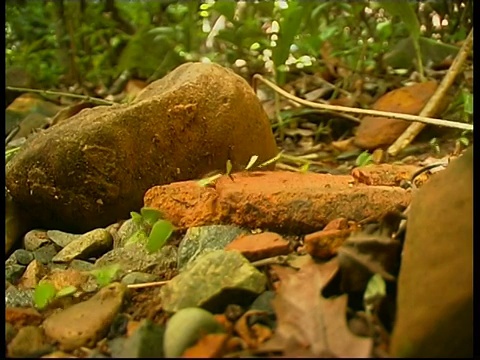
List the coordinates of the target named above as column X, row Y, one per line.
column 90, row 44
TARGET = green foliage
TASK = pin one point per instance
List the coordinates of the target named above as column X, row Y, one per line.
column 364, row 159
column 251, row 162
column 10, row 153
column 152, row 227
column 461, row 107
column 161, row 231
column 404, row 10
column 435, row 146
column 290, row 21
column 209, row 180
column 150, row 215
column 90, row 44
column 376, row 288
column 44, row 293
column 468, row 103
column 106, row 274
column 66, row 291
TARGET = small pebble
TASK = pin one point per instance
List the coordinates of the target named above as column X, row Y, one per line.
column 24, row 257
column 45, row 254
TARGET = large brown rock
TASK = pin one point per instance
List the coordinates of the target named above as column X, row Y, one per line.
column 435, row 287
column 94, row 169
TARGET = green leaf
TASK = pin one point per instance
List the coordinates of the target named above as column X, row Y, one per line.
column 289, row 26
column 164, row 31
column 159, row 235
column 404, row 10
column 384, row 30
column 105, row 274
column 304, row 168
column 364, row 159
column 228, row 167
column 375, row 288
column 252, row 161
column 44, row 294
column 66, row 291
column 10, row 152
column 463, row 140
column 226, row 8
column 136, row 217
column 139, row 236
column 468, row 103
column 209, row 180
column 150, row 215
column 272, row 160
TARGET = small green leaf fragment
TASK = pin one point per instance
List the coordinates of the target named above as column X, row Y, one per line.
column 365, row 158
column 304, row 168
column 66, row 291
column 463, row 140
column 251, row 162
column 138, row 236
column 136, row 217
column 159, row 235
column 209, row 180
column 375, row 288
column 272, row 160
column 229, row 167
column 106, row 274
column 44, row 294
column 150, row 215
column 468, row 104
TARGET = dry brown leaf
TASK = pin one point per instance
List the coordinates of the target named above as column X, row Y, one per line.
column 309, row 323
column 253, row 336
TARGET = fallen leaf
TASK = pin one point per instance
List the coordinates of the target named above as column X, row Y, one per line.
column 252, row 335
column 307, row 322
column 368, row 252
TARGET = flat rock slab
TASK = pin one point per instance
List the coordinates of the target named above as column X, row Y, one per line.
column 280, row 201
column 85, row 323
column 92, row 170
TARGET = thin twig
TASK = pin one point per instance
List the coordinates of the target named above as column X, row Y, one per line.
column 145, row 285
column 58, row 93
column 275, row 260
column 12, row 134
column 433, row 104
column 426, row 120
column 296, row 159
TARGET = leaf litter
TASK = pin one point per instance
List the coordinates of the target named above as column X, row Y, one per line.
column 308, row 323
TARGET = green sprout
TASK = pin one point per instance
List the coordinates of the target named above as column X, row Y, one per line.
column 365, row 158
column 153, row 227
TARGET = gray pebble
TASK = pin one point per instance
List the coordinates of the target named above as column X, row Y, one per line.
column 14, row 272
column 45, row 254
column 24, row 257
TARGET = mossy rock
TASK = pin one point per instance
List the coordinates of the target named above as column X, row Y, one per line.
column 94, row 169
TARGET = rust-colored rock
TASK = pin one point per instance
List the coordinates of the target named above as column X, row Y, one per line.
column 280, row 201
column 94, row 169
column 324, row 244
column 260, row 246
column 19, row 317
column 385, row 174
column 375, row 131
column 337, row 224
column 34, row 272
